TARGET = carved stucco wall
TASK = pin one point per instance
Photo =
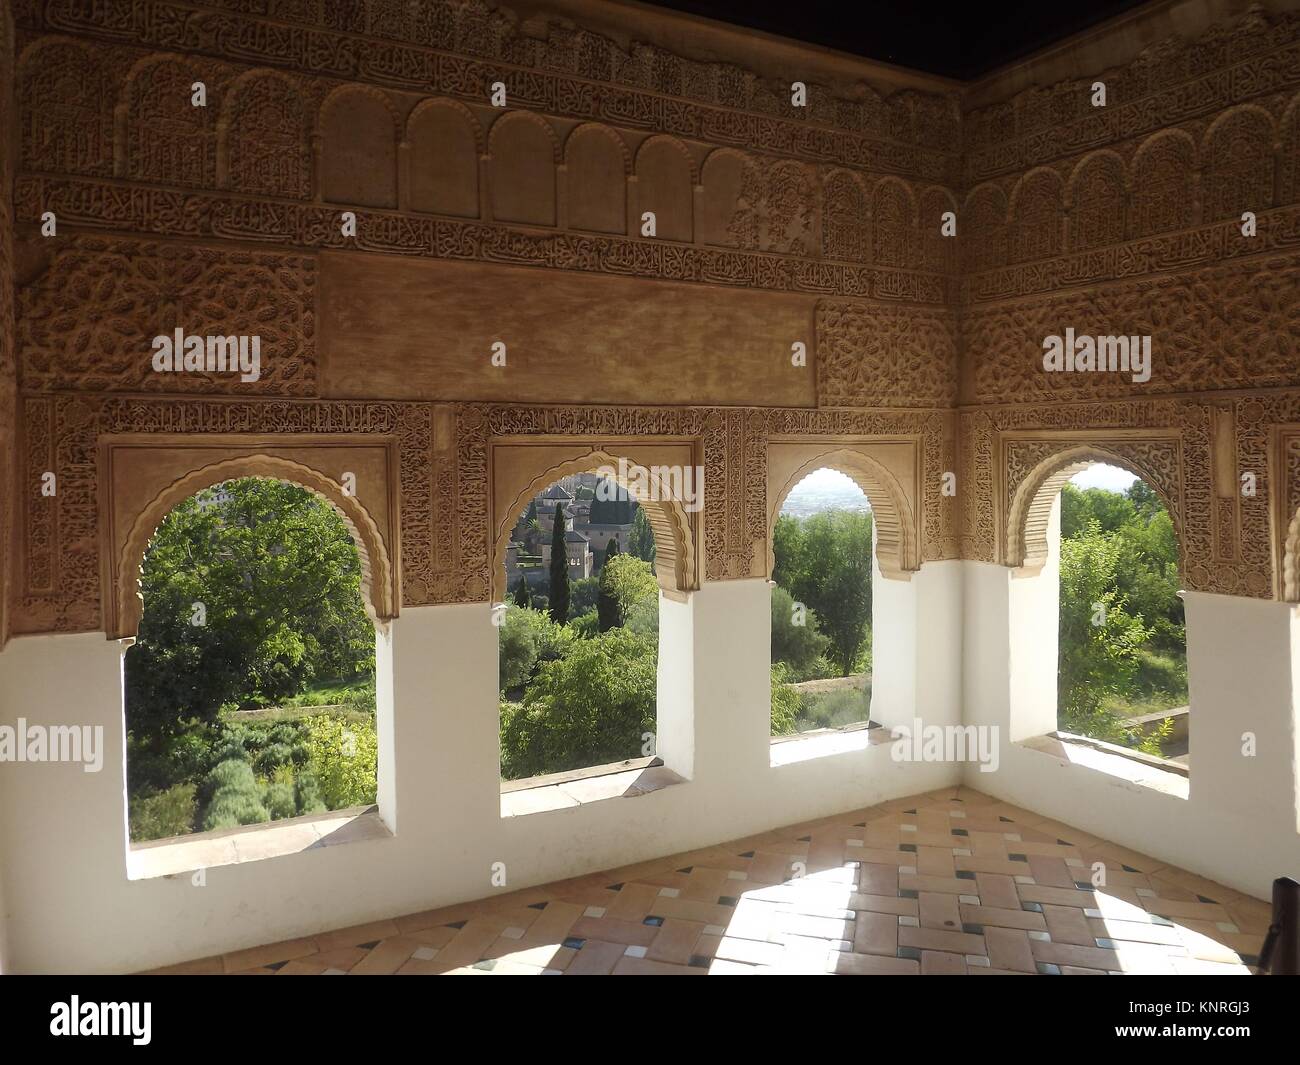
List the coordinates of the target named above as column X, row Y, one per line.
column 8, row 360
column 217, row 218
column 1127, row 220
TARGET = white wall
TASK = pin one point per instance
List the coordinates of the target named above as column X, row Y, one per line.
column 916, row 646
column 63, row 832
column 1238, row 825
column 960, row 642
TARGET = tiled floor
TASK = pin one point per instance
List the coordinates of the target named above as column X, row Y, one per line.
column 949, row 882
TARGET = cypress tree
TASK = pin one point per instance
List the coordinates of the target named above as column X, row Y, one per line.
column 523, row 594
column 607, row 608
column 559, row 594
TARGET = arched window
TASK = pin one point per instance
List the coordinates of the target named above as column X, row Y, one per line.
column 251, row 686
column 579, row 632
column 822, row 606
column 1121, row 650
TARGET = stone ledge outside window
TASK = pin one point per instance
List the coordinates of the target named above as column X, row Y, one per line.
column 1144, row 770
column 559, row 791
column 819, row 743
column 252, row 843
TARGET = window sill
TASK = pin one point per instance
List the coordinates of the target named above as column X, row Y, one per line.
column 253, row 843
column 805, row 746
column 1132, row 767
column 562, row 791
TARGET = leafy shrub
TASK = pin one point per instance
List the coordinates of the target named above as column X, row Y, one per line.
column 800, row 646
column 528, row 637
column 1096, row 660
column 588, row 708
column 230, row 809
column 264, row 639
column 307, row 796
column 230, row 773
column 586, row 626
column 275, row 755
column 583, row 597
column 168, row 813
column 231, row 796
column 835, row 709
column 360, row 699
column 280, row 800
column 786, row 701
column 344, row 759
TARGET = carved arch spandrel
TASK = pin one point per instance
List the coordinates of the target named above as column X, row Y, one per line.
column 675, row 565
column 1286, row 478
column 1037, row 473
column 122, row 600
column 1291, row 562
column 892, row 506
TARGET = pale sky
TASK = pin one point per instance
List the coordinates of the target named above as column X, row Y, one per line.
column 1102, row 476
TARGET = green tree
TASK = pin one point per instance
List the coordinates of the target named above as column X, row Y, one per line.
column 797, row 646
column 527, row 637
column 277, row 580
column 1110, row 510
column 788, row 549
column 583, row 596
column 1099, row 638
column 523, row 595
column 611, row 616
column 786, row 701
column 829, row 569
column 559, row 590
column 588, row 708
column 1145, row 500
column 611, row 549
column 629, row 583
column 641, row 540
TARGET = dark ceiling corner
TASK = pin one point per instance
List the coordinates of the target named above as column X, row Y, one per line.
column 962, row 41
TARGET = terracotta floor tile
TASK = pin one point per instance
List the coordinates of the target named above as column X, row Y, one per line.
column 997, row 890
column 885, row 904
column 612, row 930
column 357, row 934
column 635, row 901
column 1009, row 949
column 1067, row 924
column 935, row 861
column 840, row 912
column 933, row 939
column 873, row 965
column 875, row 879
column 940, row 911
column 648, row 967
column 676, row 941
column 1050, row 872
column 255, row 957
column 876, row 933
column 937, row 963
column 1070, row 954
column 596, row 958
column 1000, row 918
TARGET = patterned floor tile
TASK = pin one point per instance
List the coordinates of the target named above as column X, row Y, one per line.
column 947, row 883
